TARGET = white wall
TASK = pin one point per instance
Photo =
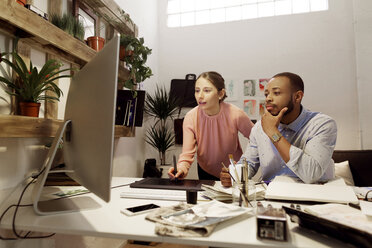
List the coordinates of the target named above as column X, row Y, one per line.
column 130, row 153
column 318, row 46
column 363, row 43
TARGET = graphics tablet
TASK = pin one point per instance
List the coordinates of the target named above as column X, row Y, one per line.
column 165, row 183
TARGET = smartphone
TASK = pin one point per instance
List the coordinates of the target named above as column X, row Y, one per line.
column 139, row 209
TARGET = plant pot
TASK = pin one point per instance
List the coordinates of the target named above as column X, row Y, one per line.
column 162, row 158
column 96, row 42
column 124, row 53
column 22, row 2
column 29, row 109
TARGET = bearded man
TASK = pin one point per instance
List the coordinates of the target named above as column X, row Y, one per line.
column 289, row 139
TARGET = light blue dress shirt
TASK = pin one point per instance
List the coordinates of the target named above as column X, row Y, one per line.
column 312, row 137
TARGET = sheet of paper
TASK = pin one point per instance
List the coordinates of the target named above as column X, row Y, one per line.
column 310, row 192
column 366, row 207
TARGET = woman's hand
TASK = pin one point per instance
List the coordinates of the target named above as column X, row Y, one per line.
column 225, row 177
column 182, row 172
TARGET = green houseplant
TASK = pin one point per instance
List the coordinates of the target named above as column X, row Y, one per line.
column 161, row 106
column 69, row 24
column 136, row 62
column 30, row 83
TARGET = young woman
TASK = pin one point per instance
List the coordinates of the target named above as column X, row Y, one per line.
column 211, row 130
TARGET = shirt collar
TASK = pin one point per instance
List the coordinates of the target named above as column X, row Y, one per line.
column 298, row 123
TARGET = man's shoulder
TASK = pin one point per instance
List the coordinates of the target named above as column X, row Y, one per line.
column 320, row 120
column 319, row 117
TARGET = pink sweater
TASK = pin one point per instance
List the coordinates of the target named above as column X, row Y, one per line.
column 213, row 137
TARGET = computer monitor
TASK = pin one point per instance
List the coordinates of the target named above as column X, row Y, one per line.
column 88, row 132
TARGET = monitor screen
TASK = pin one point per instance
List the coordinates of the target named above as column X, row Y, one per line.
column 88, row 129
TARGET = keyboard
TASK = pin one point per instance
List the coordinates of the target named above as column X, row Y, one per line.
column 154, row 194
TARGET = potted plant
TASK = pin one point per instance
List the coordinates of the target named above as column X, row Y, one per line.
column 96, row 42
column 136, row 63
column 30, row 83
column 161, row 107
column 69, row 24
column 125, row 46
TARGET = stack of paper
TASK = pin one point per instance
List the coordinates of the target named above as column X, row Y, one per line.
column 224, row 194
column 335, row 192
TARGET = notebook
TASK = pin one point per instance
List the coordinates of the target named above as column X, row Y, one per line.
column 280, row 190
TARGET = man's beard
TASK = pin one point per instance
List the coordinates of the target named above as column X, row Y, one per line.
column 290, row 107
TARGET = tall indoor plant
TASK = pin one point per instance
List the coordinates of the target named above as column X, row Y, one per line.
column 161, row 106
column 30, row 83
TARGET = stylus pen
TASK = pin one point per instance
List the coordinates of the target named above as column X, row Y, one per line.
column 174, row 165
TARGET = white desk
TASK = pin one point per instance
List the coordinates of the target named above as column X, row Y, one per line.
column 108, row 222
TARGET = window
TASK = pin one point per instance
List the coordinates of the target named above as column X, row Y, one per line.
column 183, row 13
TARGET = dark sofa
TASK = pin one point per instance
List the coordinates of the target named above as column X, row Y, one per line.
column 360, row 162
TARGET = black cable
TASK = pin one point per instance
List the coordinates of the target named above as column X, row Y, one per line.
column 15, row 215
column 19, row 236
column 3, row 214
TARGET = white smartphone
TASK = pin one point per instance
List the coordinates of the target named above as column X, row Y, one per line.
column 139, row 209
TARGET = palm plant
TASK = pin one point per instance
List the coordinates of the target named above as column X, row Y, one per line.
column 161, row 106
column 161, row 138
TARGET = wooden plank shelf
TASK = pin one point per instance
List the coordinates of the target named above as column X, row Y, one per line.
column 16, row 126
column 40, row 33
column 43, row 35
column 112, row 13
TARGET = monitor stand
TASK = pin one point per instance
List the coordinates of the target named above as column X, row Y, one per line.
column 62, row 205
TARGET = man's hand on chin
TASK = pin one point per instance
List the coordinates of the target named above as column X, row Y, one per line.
column 270, row 122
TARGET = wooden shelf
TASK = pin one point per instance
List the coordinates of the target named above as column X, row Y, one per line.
column 111, row 12
column 15, row 126
column 40, row 33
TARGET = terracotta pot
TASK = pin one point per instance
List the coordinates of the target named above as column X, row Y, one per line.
column 29, row 109
column 22, row 2
column 124, row 53
column 96, row 42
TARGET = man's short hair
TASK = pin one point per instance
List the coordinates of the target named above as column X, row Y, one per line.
column 294, row 79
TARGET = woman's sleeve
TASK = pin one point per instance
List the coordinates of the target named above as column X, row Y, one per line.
column 189, row 141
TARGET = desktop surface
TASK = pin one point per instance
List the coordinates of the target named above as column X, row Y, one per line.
column 165, row 183
column 107, row 221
